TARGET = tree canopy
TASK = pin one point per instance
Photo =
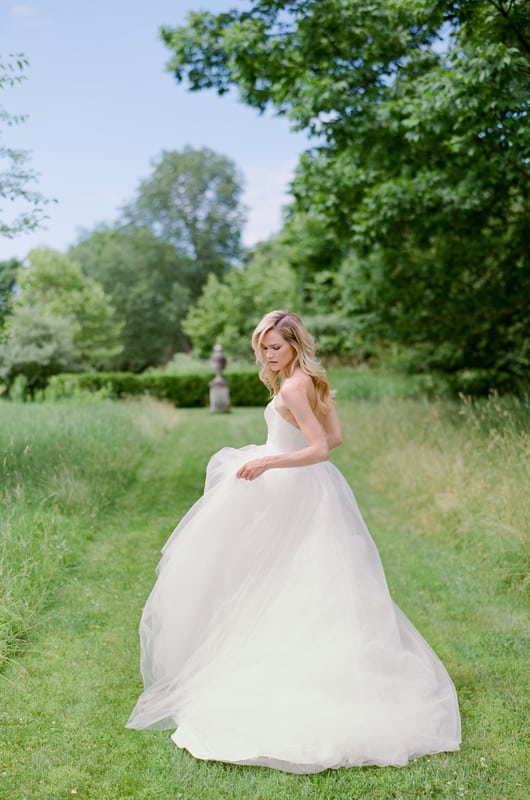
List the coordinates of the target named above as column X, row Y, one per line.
column 37, row 345
column 59, row 320
column 16, row 176
column 420, row 164
column 192, row 200
column 228, row 310
column 146, row 281
column 8, row 275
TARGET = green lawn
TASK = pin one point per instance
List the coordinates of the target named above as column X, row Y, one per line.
column 94, row 489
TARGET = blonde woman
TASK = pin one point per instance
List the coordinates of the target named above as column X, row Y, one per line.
column 270, row 637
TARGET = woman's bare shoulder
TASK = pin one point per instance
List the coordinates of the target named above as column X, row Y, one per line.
column 297, row 385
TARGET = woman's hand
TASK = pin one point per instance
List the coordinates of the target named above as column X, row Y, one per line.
column 253, row 469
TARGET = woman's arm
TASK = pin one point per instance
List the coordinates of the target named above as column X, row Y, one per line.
column 332, row 429
column 294, row 394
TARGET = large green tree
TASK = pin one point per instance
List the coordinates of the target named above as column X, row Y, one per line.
column 36, row 345
column 146, row 280
column 419, row 114
column 52, row 285
column 8, row 280
column 17, row 179
column 59, row 320
column 229, row 309
column 193, row 201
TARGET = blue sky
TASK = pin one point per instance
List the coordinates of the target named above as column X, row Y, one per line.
column 101, row 106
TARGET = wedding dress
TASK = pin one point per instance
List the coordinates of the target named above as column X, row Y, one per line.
column 270, row 636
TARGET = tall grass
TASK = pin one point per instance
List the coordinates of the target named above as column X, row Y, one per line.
column 61, row 465
column 461, row 469
column 443, row 487
column 374, row 384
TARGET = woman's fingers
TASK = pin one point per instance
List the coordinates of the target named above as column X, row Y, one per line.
column 247, row 472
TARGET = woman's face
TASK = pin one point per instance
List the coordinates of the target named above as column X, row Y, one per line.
column 277, row 351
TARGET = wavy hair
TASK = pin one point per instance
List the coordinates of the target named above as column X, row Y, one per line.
column 292, row 329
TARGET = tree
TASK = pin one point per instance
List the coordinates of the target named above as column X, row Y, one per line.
column 419, row 117
column 229, row 309
column 53, row 286
column 16, row 177
column 37, row 345
column 310, row 247
column 8, row 273
column 144, row 278
column 192, row 201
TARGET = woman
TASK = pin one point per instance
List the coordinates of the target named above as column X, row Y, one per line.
column 270, row 636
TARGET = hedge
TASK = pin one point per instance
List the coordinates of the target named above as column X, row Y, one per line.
column 184, row 391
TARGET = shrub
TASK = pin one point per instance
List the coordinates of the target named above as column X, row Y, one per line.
column 183, row 390
column 246, row 389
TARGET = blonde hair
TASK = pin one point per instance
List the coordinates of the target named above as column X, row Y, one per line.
column 292, row 329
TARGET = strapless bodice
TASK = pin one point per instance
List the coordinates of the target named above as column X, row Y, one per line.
column 282, row 436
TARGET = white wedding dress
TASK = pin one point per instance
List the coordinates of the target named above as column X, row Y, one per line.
column 270, row 636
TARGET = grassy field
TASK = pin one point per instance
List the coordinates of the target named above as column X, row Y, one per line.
column 91, row 491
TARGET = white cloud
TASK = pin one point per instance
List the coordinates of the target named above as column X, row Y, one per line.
column 267, row 191
column 22, row 10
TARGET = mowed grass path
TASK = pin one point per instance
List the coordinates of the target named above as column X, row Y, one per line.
column 66, row 698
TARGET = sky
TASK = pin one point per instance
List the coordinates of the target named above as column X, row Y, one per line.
column 101, row 106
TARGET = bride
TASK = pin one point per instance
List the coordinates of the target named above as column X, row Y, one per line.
column 270, row 636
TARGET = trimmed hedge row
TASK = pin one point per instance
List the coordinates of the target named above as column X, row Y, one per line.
column 184, row 391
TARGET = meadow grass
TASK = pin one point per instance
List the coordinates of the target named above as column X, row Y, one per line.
column 365, row 383
column 443, row 487
column 61, row 465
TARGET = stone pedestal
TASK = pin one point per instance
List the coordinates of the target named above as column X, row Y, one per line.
column 219, row 391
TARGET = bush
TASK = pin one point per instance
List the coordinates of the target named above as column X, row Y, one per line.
column 482, row 382
column 184, row 391
column 336, row 336
column 246, row 389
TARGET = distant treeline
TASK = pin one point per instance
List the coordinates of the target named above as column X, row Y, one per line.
column 407, row 240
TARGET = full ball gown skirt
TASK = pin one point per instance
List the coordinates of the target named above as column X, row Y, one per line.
column 270, row 636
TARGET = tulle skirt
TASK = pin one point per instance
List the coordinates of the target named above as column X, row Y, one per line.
column 270, row 636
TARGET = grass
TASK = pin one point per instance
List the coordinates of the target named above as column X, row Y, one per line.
column 444, row 491
column 62, row 466
column 365, row 383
